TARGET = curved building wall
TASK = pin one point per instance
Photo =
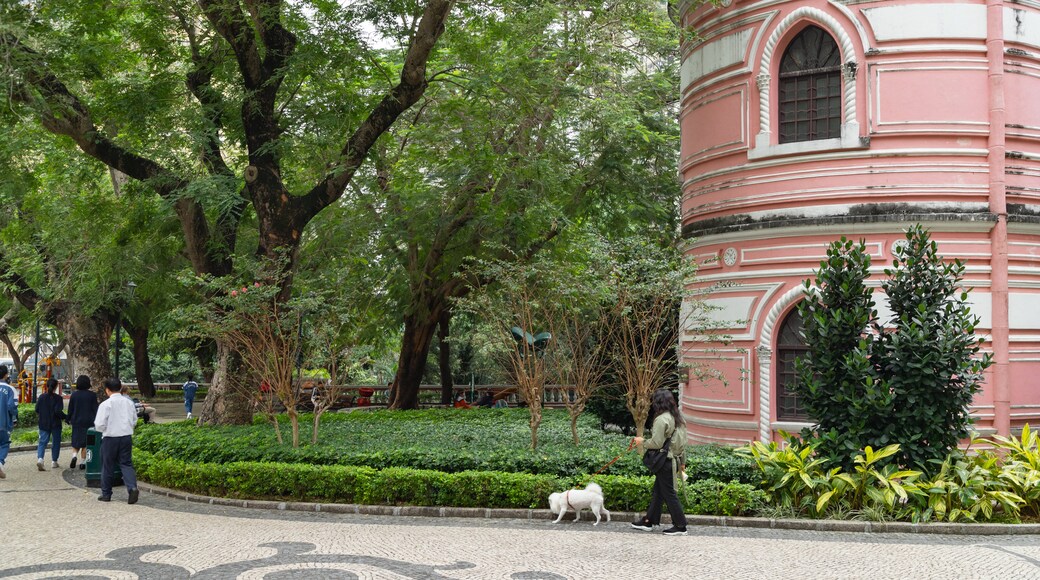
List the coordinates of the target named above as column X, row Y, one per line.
column 939, row 126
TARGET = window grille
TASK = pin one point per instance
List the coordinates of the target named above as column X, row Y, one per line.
column 790, row 346
column 810, row 88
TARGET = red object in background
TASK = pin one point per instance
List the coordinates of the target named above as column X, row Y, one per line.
column 365, row 397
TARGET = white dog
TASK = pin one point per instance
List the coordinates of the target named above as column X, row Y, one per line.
column 578, row 499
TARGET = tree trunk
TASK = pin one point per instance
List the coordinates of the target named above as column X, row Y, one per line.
column 415, row 347
column 535, row 407
column 444, row 357
column 294, row 420
column 15, row 355
column 142, row 365
column 205, row 355
column 314, row 430
column 227, row 400
column 88, row 339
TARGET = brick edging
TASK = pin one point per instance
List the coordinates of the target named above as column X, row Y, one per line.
column 544, row 514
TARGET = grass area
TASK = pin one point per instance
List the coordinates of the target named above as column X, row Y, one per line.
column 31, row 435
column 446, row 440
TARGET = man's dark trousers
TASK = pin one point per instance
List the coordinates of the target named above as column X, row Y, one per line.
column 116, row 450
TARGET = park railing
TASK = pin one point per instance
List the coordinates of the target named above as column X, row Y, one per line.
column 350, row 395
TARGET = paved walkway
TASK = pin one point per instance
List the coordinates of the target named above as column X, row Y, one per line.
column 53, row 527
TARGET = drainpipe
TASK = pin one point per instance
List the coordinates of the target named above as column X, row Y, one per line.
column 998, row 206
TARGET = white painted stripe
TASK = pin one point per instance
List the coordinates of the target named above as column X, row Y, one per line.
column 914, row 21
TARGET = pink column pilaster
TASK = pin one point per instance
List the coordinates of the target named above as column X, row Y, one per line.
column 998, row 206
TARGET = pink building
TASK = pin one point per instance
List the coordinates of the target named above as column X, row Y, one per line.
column 803, row 121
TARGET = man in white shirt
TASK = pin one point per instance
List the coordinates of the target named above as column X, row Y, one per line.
column 116, row 419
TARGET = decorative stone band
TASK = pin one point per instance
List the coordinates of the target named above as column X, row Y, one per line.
column 875, row 214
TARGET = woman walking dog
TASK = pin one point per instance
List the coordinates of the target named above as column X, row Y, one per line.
column 664, row 455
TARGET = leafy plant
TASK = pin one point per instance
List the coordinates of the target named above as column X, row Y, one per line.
column 1020, row 471
column 963, row 489
column 929, row 358
column 909, row 380
column 791, row 473
column 838, row 383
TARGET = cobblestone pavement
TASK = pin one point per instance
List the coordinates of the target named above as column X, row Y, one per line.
column 52, row 527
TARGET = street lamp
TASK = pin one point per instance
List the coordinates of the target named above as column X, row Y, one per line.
column 130, row 287
column 36, row 361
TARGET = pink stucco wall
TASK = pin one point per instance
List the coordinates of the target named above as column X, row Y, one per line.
column 940, row 127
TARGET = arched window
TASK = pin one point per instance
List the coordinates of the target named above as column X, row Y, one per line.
column 810, row 88
column 789, row 346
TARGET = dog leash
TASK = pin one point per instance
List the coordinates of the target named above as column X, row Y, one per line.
column 631, row 445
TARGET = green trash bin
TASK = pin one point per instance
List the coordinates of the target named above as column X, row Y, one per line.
column 94, row 462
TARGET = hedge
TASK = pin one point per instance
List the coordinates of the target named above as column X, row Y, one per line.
column 420, row 487
column 27, row 416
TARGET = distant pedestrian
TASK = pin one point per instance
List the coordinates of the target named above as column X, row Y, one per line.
column 50, row 414
column 83, row 406
column 189, row 388
column 8, row 416
column 116, row 419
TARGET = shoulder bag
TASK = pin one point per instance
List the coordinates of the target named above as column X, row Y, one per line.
column 656, row 459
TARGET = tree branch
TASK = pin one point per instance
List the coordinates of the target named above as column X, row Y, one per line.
column 410, row 88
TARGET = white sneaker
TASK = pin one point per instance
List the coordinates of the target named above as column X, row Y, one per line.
column 189, row 415
column 39, row 464
column 54, row 464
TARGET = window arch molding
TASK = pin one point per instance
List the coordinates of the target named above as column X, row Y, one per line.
column 765, row 143
column 765, row 350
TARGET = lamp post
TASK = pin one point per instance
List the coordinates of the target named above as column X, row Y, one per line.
column 130, row 286
column 36, row 361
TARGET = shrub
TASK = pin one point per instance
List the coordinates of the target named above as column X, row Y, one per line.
column 711, row 497
column 423, row 487
column 719, row 463
column 910, row 382
column 27, row 416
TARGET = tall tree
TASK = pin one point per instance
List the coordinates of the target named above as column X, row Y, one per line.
column 109, row 79
column 544, row 115
column 69, row 245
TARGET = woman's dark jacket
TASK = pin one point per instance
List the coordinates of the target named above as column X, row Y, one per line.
column 49, row 411
column 83, row 407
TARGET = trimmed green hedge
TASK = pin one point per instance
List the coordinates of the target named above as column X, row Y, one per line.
column 421, row 487
column 446, row 440
column 27, row 416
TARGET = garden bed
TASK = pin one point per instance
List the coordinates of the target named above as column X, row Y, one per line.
column 447, row 457
column 447, row 440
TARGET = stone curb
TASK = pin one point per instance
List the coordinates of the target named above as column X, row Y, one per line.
column 33, row 447
column 544, row 514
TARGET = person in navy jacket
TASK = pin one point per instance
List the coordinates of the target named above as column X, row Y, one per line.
column 50, row 413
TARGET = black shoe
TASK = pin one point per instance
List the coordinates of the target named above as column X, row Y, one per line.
column 133, row 496
column 104, row 498
column 82, row 465
column 72, row 464
column 643, row 524
column 674, row 531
